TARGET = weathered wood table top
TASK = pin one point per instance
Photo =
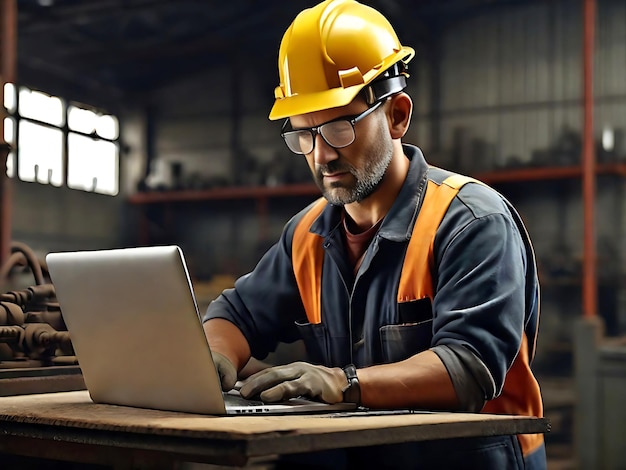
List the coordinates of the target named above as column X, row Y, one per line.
column 52, row 425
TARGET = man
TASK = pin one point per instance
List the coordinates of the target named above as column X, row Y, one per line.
column 410, row 286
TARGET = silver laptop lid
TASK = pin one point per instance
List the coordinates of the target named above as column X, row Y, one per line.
column 135, row 328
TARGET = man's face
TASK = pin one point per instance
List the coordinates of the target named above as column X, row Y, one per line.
column 349, row 174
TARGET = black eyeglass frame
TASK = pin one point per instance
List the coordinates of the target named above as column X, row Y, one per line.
column 352, row 120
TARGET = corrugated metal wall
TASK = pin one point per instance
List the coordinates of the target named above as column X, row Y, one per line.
column 511, row 96
column 512, row 76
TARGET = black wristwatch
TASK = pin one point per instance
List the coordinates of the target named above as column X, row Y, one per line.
column 352, row 393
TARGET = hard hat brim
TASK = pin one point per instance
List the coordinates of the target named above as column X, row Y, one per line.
column 303, row 104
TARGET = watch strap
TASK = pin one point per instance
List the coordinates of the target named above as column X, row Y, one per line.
column 352, row 393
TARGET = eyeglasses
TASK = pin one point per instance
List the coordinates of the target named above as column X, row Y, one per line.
column 337, row 133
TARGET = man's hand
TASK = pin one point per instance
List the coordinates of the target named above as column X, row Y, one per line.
column 226, row 371
column 296, row 379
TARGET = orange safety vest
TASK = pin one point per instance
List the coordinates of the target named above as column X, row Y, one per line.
column 520, row 394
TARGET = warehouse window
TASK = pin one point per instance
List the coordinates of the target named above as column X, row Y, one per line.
column 93, row 155
column 61, row 144
column 40, row 153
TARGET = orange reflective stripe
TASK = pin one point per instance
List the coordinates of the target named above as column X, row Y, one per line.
column 308, row 258
column 520, row 396
column 416, row 279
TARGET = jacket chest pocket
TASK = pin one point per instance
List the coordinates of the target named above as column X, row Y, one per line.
column 412, row 335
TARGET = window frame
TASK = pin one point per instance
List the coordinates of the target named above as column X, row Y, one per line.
column 66, row 130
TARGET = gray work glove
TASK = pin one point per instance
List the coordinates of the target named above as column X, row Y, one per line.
column 294, row 380
column 226, row 371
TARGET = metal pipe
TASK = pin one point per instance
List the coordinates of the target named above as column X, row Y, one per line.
column 590, row 281
column 8, row 61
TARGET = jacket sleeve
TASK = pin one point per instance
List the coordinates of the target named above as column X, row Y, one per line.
column 265, row 303
column 480, row 300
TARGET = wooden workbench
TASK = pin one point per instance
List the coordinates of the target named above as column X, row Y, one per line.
column 68, row 426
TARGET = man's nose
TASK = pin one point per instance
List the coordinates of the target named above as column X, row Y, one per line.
column 322, row 152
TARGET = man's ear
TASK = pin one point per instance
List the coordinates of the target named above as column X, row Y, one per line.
column 399, row 114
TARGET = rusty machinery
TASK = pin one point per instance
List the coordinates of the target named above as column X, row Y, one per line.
column 36, row 353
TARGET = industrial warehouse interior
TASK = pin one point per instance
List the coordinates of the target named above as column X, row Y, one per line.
column 133, row 123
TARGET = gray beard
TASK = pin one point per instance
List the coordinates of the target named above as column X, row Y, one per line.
column 368, row 178
column 369, row 184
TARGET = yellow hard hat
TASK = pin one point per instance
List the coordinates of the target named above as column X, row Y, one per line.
column 331, row 52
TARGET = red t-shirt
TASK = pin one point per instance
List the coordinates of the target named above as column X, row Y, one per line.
column 357, row 243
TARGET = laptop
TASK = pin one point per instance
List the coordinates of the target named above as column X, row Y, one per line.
column 137, row 334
